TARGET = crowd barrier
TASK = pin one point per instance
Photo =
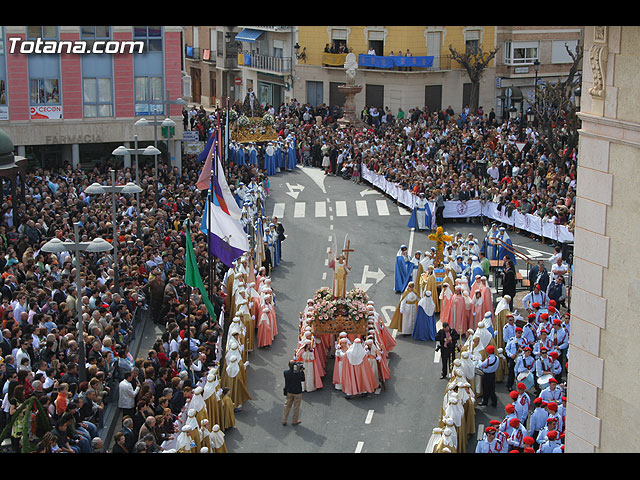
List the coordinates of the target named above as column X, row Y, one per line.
column 473, row 208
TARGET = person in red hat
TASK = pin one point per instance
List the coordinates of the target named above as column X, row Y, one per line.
column 552, row 409
column 491, row 442
column 522, row 402
column 538, row 417
column 529, row 443
column 556, row 367
column 550, row 425
column 553, row 393
column 510, row 412
column 529, row 330
column 560, row 339
column 543, row 341
column 515, row 434
column 488, row 368
column 512, row 350
column 537, row 295
column 551, row 443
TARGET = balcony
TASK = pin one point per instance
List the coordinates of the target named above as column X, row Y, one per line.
column 279, row 29
column 439, row 63
column 265, row 62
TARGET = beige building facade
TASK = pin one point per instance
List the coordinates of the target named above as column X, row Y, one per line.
column 602, row 410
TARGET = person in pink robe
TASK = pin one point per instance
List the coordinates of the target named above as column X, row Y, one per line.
column 446, row 297
column 477, row 306
column 476, row 285
column 468, row 317
column 347, row 375
column 366, row 380
column 377, row 360
column 487, row 297
column 307, row 356
column 265, row 337
column 458, row 311
column 268, row 300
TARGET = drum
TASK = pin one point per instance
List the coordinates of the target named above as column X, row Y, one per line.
column 543, row 381
column 526, row 378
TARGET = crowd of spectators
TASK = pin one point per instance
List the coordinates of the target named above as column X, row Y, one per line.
column 464, row 156
column 40, row 340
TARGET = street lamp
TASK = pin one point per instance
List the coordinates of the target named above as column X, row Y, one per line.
column 55, row 245
column 122, row 150
column 167, row 122
column 98, row 189
column 530, row 116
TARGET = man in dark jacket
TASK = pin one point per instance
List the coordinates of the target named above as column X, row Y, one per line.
column 293, row 379
column 447, row 339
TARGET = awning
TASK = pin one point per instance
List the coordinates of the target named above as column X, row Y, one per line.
column 248, row 35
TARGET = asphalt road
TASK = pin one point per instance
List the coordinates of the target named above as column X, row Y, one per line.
column 316, row 210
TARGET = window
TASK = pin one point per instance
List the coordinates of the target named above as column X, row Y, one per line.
column 44, row 91
column 49, row 33
column 471, row 41
column 97, row 97
column 148, row 90
column 152, row 36
column 520, row 53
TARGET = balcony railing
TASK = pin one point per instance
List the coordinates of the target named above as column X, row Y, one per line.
column 337, row 60
column 269, row 28
column 265, row 62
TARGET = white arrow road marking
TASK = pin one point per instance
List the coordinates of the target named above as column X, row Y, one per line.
column 317, row 175
column 292, row 190
column 368, row 191
column 363, row 285
column 384, row 311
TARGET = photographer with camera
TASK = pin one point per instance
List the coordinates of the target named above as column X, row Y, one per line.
column 447, row 339
column 293, row 380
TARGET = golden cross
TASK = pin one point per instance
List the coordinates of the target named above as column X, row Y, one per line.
column 439, row 237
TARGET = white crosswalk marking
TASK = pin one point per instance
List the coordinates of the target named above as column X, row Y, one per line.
column 278, row 210
column 383, row 209
column 299, row 208
column 403, row 210
column 341, row 208
column 361, row 208
column 321, row 209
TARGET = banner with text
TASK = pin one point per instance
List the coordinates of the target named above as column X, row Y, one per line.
column 474, row 208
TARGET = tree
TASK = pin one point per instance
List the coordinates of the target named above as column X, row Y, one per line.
column 474, row 61
column 556, row 112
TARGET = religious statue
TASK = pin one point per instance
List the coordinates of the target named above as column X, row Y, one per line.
column 341, row 268
column 351, row 65
column 251, row 106
column 439, row 237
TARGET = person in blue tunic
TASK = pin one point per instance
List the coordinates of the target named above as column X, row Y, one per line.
column 502, row 250
column 403, row 272
column 291, row 155
column 253, row 154
column 270, row 159
column 425, row 327
column 279, row 158
column 491, row 251
column 240, row 156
